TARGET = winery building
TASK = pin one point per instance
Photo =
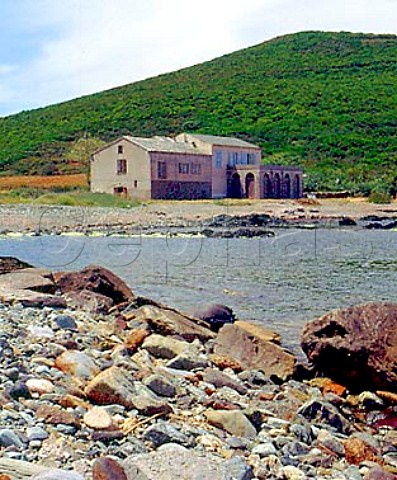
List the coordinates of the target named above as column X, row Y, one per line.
column 190, row 166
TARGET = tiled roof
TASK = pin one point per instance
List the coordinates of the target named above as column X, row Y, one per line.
column 223, row 141
column 164, row 144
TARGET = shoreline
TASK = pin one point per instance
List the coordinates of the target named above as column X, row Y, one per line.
column 223, row 218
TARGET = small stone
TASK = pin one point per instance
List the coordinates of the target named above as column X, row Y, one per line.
column 97, row 418
column 106, row 468
column 111, row 386
column 325, row 438
column 238, row 469
column 57, row 475
column 9, row 438
column 36, row 433
column 264, row 449
column 40, row 385
column 233, row 421
column 19, row 390
column 66, row 322
column 378, row 473
column 324, row 412
column 163, row 432
column 160, row 385
column 56, row 416
column 135, row 339
column 76, row 363
column 356, row 451
column 164, row 347
column 220, row 379
column 293, row 473
column 187, row 362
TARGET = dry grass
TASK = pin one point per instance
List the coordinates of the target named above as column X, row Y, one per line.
column 43, row 182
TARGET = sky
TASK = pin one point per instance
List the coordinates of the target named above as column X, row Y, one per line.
column 55, row 50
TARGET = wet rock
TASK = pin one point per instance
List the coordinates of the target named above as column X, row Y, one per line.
column 106, row 468
column 111, row 386
column 233, row 421
column 163, row 432
column 215, row 315
column 77, row 363
column 96, row 279
column 170, row 322
column 160, row 385
column 255, row 347
column 97, row 418
column 164, row 347
column 355, row 346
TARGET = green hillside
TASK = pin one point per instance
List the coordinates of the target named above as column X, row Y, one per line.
column 327, row 101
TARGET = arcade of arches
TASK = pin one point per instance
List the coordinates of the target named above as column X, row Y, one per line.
column 265, row 182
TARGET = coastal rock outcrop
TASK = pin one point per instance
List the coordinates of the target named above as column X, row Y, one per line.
column 95, row 279
column 355, row 346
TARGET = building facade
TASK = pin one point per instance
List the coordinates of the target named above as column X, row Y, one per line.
column 190, row 167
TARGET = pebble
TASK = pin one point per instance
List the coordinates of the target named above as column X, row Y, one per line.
column 97, row 418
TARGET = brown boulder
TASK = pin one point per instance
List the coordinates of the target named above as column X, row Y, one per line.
column 36, row 279
column 29, row 298
column 88, row 301
column 106, row 468
column 254, row 347
column 10, row 264
column 355, row 346
column 96, row 279
column 111, row 386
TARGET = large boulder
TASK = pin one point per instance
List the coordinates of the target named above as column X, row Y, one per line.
column 10, row 264
column 35, row 279
column 255, row 348
column 355, row 346
column 95, row 279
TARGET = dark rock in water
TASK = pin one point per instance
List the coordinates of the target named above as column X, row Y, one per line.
column 65, row 322
column 107, row 468
column 10, row 264
column 215, row 315
column 356, row 346
column 96, row 279
column 347, row 222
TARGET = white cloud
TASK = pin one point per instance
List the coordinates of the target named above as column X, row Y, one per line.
column 99, row 44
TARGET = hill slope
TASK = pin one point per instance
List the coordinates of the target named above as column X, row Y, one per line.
column 327, row 101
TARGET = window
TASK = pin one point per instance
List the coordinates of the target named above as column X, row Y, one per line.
column 251, row 158
column 235, row 158
column 121, row 166
column 195, row 169
column 184, row 168
column 120, row 149
column 218, row 159
column 135, row 183
column 161, row 170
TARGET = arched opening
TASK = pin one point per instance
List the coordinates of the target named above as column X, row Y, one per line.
column 235, row 186
column 277, row 185
column 267, row 186
column 287, row 186
column 250, row 185
column 297, row 187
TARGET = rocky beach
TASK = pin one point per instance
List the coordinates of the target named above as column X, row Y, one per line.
column 98, row 383
column 211, row 218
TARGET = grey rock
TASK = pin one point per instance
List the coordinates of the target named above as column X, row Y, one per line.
column 302, row 433
column 9, row 438
column 160, row 385
column 324, row 437
column 163, row 432
column 239, row 469
column 220, row 379
column 36, row 433
column 66, row 322
column 165, row 347
column 187, row 362
column 323, row 412
column 265, row 449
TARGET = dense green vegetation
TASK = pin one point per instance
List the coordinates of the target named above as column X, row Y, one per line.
column 325, row 101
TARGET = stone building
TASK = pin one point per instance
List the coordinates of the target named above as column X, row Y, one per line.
column 190, row 166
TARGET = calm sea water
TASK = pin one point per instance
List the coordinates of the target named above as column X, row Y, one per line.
column 281, row 282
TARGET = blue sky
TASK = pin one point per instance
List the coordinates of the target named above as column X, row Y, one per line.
column 54, row 50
